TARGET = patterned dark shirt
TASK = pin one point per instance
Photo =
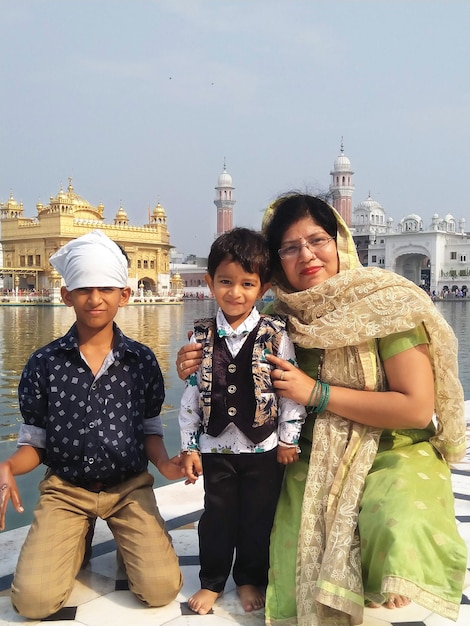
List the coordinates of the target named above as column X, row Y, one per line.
column 94, row 426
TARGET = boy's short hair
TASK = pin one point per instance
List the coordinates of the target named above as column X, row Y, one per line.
column 126, row 256
column 244, row 246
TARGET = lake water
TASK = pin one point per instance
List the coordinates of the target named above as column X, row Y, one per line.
column 164, row 329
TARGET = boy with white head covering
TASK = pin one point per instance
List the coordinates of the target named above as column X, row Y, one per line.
column 91, row 401
column 93, row 260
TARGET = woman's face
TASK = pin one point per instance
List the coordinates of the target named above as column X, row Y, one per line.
column 313, row 264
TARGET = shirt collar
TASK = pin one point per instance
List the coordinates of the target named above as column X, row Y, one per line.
column 122, row 343
column 225, row 330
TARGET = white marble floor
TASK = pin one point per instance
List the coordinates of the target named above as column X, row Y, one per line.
column 97, row 599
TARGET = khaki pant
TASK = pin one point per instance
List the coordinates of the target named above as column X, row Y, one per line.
column 54, row 548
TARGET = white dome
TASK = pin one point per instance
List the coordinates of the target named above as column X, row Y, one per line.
column 342, row 164
column 224, row 180
column 413, row 216
column 370, row 205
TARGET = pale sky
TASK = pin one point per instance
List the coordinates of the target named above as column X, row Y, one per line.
column 140, row 101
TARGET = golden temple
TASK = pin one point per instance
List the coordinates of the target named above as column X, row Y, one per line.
column 28, row 242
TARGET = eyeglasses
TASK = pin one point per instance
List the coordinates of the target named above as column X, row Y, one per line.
column 292, row 251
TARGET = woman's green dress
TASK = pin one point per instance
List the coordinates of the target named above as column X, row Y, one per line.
column 410, row 544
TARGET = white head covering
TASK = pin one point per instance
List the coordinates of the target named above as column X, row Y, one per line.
column 93, row 260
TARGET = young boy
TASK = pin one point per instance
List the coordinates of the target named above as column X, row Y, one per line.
column 234, row 429
column 91, row 402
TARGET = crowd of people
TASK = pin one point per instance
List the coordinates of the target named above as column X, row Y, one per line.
column 323, row 428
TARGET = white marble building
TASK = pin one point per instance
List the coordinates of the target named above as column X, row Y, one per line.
column 434, row 254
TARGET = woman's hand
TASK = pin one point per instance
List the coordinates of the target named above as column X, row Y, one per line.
column 408, row 402
column 289, row 381
column 188, row 359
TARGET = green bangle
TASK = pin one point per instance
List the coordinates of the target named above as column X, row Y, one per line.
column 311, row 404
column 325, row 396
column 319, row 397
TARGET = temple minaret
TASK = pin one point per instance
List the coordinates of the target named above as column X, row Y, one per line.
column 341, row 186
column 224, row 201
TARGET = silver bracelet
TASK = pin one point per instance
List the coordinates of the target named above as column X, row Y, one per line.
column 283, row 444
column 188, row 452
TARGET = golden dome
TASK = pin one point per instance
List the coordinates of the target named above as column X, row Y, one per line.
column 11, row 201
column 159, row 211
column 70, row 202
column 71, row 198
column 121, row 218
column 121, row 214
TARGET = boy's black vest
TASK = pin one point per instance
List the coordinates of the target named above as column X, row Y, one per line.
column 238, row 389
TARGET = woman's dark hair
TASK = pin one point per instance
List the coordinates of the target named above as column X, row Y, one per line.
column 288, row 209
column 244, row 246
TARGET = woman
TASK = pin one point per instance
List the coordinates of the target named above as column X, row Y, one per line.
column 367, row 513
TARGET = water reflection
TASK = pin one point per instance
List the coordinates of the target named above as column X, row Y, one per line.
column 23, row 329
column 457, row 313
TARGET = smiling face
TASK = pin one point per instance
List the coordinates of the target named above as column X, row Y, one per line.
column 95, row 307
column 311, row 266
column 235, row 290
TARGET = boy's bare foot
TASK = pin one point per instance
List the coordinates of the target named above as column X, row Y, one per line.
column 394, row 602
column 251, row 597
column 202, row 601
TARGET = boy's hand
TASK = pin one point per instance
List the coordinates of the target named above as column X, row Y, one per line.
column 171, row 468
column 287, row 455
column 191, row 465
column 8, row 490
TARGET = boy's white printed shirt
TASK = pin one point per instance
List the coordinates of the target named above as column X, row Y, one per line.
column 232, row 440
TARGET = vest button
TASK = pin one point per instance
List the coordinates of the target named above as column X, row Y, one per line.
column 231, row 388
column 232, row 368
column 232, row 411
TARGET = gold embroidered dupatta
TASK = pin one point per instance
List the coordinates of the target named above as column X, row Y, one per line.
column 343, row 316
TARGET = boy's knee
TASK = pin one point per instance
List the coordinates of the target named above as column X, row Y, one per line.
column 160, row 594
column 35, row 605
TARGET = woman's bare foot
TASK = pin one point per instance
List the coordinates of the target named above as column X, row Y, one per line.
column 251, row 597
column 202, row 601
column 394, row 602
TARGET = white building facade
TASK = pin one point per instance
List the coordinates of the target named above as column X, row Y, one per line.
column 434, row 254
